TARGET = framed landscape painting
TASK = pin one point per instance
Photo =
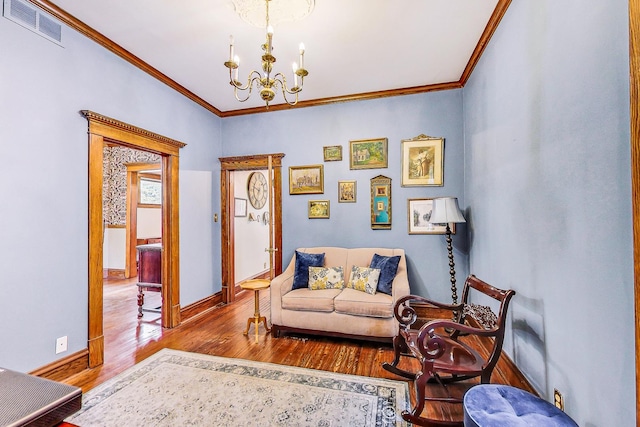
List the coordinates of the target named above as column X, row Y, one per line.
column 318, row 209
column 332, row 153
column 306, row 179
column 368, row 154
column 422, row 161
column 418, row 214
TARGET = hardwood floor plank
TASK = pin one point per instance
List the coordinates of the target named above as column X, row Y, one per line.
column 218, row 331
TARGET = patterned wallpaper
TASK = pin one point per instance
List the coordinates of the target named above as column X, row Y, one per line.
column 114, row 186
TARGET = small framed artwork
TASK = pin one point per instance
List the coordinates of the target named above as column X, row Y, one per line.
column 418, row 214
column 347, row 191
column 240, row 207
column 381, row 203
column 368, row 154
column 318, row 209
column 422, row 161
column 149, row 191
column 306, row 179
column 332, row 153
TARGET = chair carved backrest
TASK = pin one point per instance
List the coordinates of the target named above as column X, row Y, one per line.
column 484, row 316
column 441, row 345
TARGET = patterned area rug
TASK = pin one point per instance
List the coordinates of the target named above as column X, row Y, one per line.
column 176, row 388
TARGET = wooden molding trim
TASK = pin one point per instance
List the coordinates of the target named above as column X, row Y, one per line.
column 117, row 131
column 110, row 45
column 113, row 273
column 634, row 89
column 116, row 226
column 197, row 308
column 104, row 129
column 345, row 98
column 228, row 165
column 256, row 161
column 494, row 21
column 65, row 367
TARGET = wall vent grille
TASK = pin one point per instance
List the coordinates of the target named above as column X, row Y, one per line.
column 29, row 16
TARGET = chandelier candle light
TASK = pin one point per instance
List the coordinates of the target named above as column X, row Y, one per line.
column 265, row 81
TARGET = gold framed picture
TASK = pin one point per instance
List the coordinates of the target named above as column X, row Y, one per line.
column 347, row 191
column 422, row 161
column 381, row 203
column 368, row 153
column 318, row 209
column 306, row 179
column 418, row 214
column 332, row 153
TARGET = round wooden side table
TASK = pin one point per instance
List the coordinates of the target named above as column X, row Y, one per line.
column 256, row 285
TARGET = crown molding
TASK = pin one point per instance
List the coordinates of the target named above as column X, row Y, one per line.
column 110, row 45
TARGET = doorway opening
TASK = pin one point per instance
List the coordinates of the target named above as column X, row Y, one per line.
column 228, row 165
column 104, row 130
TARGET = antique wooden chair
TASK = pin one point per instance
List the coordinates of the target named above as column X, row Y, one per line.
column 444, row 357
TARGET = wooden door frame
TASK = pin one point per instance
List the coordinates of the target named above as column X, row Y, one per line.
column 634, row 99
column 244, row 163
column 133, row 171
column 104, row 130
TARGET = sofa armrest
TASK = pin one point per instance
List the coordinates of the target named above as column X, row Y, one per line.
column 400, row 287
column 280, row 285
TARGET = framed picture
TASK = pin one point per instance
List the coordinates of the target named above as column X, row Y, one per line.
column 318, row 209
column 418, row 214
column 368, row 154
column 332, row 153
column 381, row 203
column 240, row 207
column 422, row 161
column 306, row 179
column 347, row 191
column 149, row 191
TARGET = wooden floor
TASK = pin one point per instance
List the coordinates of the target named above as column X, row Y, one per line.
column 129, row 340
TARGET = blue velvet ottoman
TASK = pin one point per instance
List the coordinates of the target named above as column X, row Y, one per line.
column 495, row 405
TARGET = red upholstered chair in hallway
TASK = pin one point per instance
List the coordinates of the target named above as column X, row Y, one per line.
column 444, row 357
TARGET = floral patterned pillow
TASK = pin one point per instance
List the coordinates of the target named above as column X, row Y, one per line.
column 326, row 278
column 364, row 279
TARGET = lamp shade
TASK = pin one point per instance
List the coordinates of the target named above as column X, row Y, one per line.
column 446, row 210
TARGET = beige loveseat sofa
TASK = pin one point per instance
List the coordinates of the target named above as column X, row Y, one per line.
column 338, row 312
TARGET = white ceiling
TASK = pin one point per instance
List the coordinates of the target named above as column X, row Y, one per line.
column 352, row 46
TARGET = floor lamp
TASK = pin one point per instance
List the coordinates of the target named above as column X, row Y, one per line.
column 445, row 210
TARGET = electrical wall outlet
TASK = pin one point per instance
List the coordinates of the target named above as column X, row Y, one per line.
column 558, row 400
column 61, row 344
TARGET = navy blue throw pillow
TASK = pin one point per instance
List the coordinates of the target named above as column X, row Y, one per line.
column 303, row 262
column 388, row 266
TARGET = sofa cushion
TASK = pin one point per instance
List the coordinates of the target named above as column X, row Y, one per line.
column 388, row 266
column 326, row 278
column 307, row 300
column 364, row 279
column 359, row 303
column 301, row 272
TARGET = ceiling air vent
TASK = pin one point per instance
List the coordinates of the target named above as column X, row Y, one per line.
column 26, row 14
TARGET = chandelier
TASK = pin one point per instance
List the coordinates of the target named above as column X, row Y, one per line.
column 267, row 82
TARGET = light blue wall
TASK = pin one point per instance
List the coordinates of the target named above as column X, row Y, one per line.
column 43, row 182
column 301, row 134
column 537, row 151
column 548, row 188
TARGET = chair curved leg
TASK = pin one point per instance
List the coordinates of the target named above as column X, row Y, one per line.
column 399, row 347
